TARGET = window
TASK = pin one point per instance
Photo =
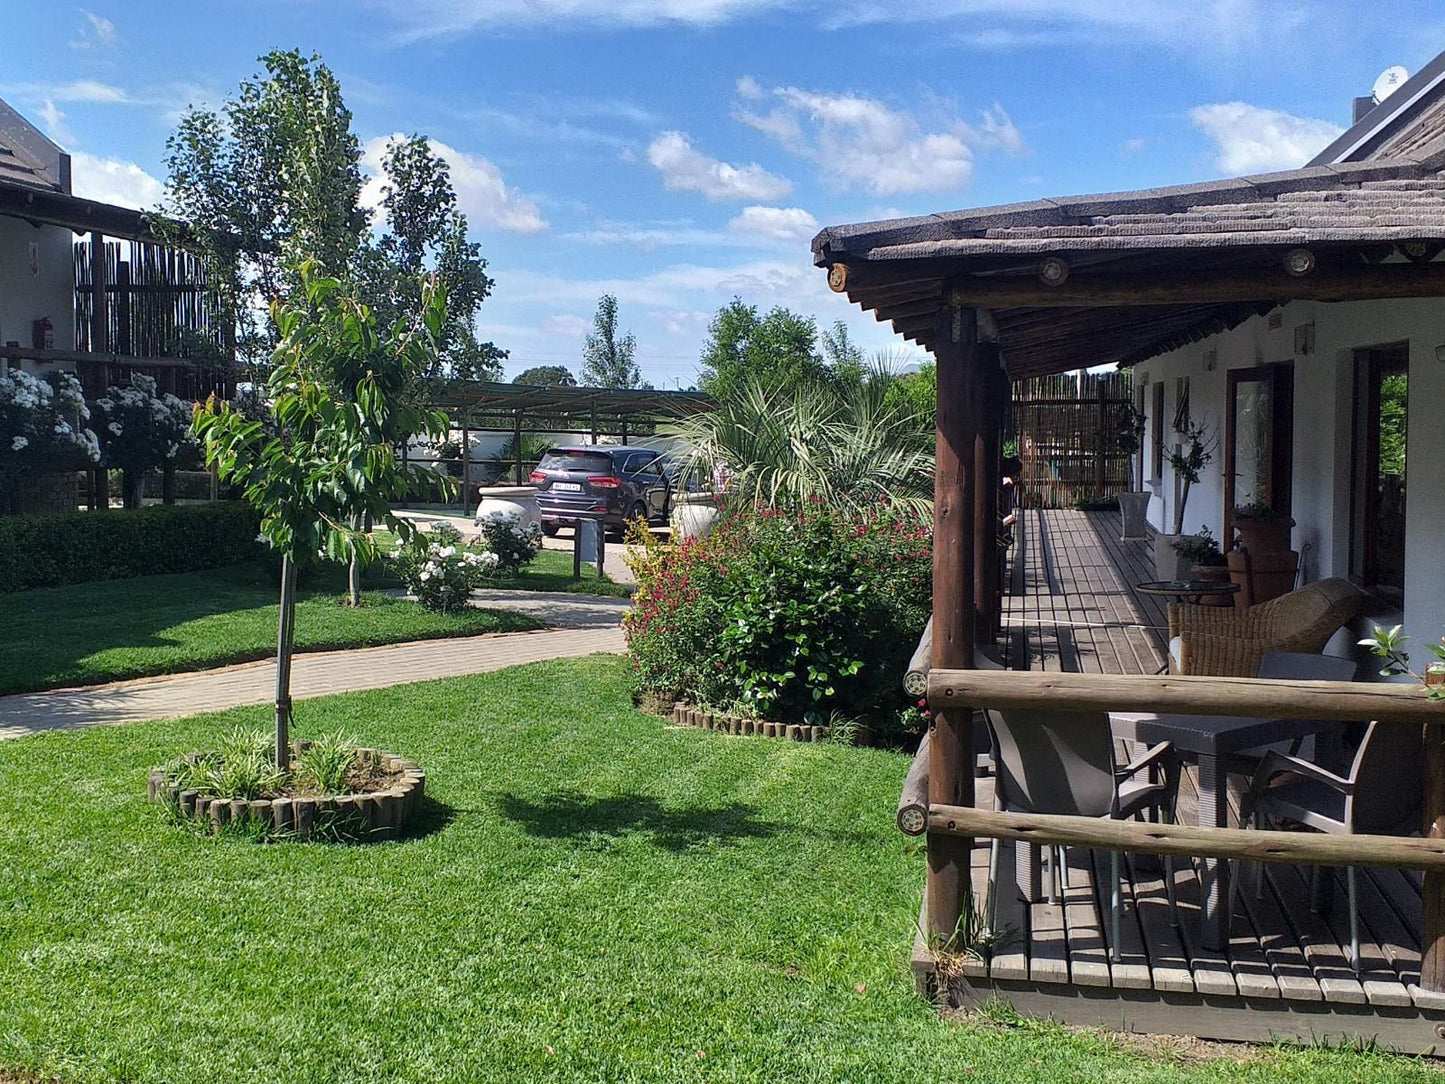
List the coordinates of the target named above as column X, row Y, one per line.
column 1156, row 446
column 1259, row 440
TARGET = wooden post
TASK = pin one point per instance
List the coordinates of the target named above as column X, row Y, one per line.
column 1432, row 889
column 99, row 302
column 950, row 752
column 517, row 442
column 985, row 495
column 466, row 465
column 594, row 419
column 1101, row 444
column 123, row 345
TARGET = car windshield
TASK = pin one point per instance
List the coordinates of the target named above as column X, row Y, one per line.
column 590, row 462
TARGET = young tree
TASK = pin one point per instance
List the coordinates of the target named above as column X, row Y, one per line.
column 777, row 350
column 845, row 359
column 546, row 376
column 607, row 361
column 328, row 453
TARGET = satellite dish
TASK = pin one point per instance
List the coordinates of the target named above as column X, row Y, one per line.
column 1391, row 79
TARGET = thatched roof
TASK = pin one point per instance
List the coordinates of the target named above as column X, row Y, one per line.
column 1352, row 214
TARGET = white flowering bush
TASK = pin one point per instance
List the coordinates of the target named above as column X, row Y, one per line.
column 503, row 536
column 140, row 430
column 43, row 422
column 441, row 570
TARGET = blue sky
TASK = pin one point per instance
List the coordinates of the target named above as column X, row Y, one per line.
column 679, row 152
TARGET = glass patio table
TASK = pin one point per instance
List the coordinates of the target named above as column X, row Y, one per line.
column 1186, row 590
column 1212, row 741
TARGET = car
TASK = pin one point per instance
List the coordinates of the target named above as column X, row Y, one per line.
column 613, row 482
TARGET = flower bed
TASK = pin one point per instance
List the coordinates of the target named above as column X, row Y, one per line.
column 800, row 617
column 333, row 789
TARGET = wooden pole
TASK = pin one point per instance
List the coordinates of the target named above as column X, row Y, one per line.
column 99, row 300
column 1432, row 889
column 1253, row 698
column 517, row 442
column 1148, row 837
column 466, row 466
column 285, row 635
column 985, row 494
column 950, row 752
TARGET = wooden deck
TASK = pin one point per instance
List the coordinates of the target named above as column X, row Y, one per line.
column 1286, row 973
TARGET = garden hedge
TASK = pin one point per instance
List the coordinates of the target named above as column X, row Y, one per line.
column 75, row 547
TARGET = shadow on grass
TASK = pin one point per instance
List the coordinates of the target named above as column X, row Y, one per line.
column 430, row 818
column 595, row 820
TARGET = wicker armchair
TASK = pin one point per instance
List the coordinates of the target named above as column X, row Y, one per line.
column 1221, row 642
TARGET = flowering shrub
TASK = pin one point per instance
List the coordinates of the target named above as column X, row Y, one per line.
column 789, row 615
column 140, row 430
column 440, row 570
column 512, row 544
column 43, row 425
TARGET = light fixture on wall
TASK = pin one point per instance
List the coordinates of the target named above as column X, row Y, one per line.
column 1304, row 339
column 1440, row 352
column 1211, row 359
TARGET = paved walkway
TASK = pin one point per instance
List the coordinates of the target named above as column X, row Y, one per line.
column 315, row 674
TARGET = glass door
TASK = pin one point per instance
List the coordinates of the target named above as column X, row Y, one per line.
column 1258, row 444
column 1378, row 509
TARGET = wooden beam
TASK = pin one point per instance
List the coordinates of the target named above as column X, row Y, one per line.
column 1432, row 889
column 1250, row 697
column 1147, row 837
column 915, row 678
column 950, row 755
column 1361, row 283
column 99, row 301
column 913, row 802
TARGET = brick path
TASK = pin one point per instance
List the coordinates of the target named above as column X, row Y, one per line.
column 314, row 674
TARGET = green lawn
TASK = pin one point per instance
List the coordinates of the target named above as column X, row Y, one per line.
column 95, row 632
column 591, row 897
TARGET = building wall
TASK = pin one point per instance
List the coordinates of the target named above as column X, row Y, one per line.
column 42, row 287
column 1324, row 435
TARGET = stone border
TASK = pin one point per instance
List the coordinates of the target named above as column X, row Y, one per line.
column 687, row 715
column 377, row 815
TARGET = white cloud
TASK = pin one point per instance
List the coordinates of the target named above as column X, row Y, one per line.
column 564, row 324
column 53, row 119
column 113, row 180
column 482, row 193
column 685, row 169
column 88, row 90
column 96, row 32
column 1133, row 146
column 749, row 89
column 787, row 224
column 862, row 143
column 1249, row 139
column 437, row 18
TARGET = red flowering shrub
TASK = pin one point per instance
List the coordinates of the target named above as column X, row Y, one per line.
column 785, row 614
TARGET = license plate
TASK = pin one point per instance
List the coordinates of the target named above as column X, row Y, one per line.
column 568, row 487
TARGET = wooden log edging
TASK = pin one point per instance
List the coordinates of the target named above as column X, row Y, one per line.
column 915, row 678
column 1250, row 845
column 704, row 719
column 913, row 802
column 375, row 815
column 1348, row 701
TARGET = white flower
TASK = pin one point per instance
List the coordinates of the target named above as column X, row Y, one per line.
column 61, row 429
column 172, row 450
column 115, row 428
column 424, row 575
column 446, row 551
column 19, row 444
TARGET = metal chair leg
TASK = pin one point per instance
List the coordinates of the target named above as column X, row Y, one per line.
column 1064, row 866
column 1114, row 953
column 993, row 850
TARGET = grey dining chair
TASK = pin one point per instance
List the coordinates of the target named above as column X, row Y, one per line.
column 1063, row 762
column 1297, row 666
column 1379, row 793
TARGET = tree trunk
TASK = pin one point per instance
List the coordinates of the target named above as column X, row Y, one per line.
column 353, row 571
column 168, row 483
column 1179, row 509
column 132, row 484
column 285, row 634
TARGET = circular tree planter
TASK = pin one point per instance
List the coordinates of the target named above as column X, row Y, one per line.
column 364, row 816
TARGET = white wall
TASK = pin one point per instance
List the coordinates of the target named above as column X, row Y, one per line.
column 1323, row 433
column 45, row 288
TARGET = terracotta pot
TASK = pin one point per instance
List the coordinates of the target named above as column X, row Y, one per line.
column 1261, row 576
column 1212, row 574
column 1264, row 536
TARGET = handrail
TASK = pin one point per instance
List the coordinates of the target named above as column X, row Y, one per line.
column 915, row 678
column 1250, row 697
column 1300, row 848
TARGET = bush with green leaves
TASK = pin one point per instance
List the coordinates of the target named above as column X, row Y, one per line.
column 790, row 615
column 56, row 548
column 513, row 545
column 43, row 427
column 441, row 570
column 141, row 429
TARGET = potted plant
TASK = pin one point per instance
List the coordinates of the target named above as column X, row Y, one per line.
column 1261, row 562
column 1187, row 460
column 1206, row 562
column 1133, row 505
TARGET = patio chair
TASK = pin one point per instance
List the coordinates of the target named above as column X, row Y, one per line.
column 1063, row 762
column 1297, row 666
column 1380, row 793
column 1220, row 642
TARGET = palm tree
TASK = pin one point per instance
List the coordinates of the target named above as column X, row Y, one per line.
column 847, row 444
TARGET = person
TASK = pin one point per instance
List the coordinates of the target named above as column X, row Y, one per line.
column 1008, row 472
